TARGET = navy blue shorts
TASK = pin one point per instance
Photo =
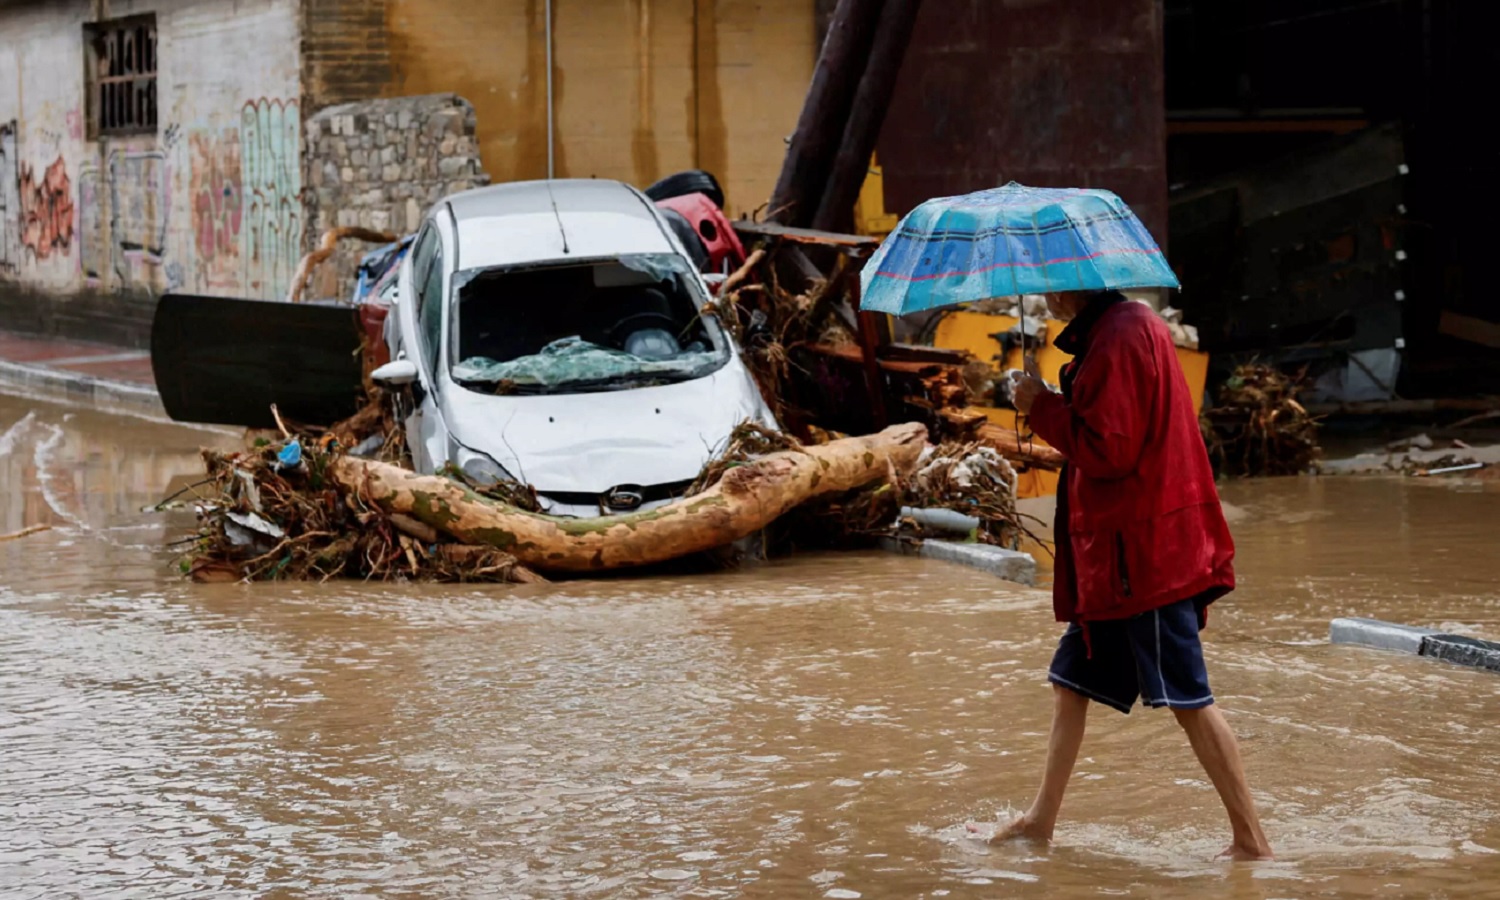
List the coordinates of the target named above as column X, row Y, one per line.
column 1155, row 656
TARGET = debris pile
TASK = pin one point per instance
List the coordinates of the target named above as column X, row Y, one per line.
column 971, row 479
column 312, row 502
column 278, row 514
column 963, row 489
column 792, row 307
column 769, row 318
column 282, row 511
column 1422, row 456
column 1258, row 427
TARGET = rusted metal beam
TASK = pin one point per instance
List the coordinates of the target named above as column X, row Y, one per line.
column 867, row 115
column 1469, row 328
column 1401, row 407
column 748, row 230
column 841, row 64
column 870, row 340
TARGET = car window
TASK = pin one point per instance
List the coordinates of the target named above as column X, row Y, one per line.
column 421, row 258
column 430, row 305
column 594, row 326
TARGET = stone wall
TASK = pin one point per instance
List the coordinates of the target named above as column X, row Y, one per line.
column 381, row 164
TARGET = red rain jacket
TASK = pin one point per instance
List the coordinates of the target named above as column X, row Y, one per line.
column 1140, row 526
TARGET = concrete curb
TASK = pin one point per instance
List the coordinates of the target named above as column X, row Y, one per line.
column 1378, row 634
column 1454, row 648
column 76, row 388
column 1011, row 565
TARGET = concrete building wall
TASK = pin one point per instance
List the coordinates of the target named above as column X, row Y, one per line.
column 641, row 88
column 95, row 228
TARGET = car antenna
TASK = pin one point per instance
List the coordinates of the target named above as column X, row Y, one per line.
column 558, row 215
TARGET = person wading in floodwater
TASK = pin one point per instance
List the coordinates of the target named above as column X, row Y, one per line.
column 1142, row 549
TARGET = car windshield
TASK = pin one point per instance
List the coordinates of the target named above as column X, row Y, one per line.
column 594, row 326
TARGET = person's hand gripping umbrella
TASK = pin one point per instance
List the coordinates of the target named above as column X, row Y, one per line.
column 1028, row 385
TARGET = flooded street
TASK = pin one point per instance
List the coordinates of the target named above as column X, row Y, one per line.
column 818, row 727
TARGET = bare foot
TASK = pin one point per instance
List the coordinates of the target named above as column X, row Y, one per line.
column 1246, row 852
column 1021, row 828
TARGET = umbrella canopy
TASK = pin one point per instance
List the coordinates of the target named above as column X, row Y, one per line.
column 1010, row 241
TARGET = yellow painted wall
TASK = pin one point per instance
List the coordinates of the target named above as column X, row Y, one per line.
column 642, row 88
column 971, row 331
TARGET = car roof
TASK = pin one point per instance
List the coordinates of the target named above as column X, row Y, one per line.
column 536, row 221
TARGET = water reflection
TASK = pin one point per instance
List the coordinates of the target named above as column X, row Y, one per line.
column 820, row 727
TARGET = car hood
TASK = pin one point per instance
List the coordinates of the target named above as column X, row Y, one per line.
column 593, row 442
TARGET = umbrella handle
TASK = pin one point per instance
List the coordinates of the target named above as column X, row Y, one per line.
column 1028, row 361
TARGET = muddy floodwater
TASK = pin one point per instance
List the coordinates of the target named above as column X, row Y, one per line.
column 821, row 727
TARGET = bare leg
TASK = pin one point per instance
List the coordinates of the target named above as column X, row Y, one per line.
column 1069, row 715
column 1219, row 752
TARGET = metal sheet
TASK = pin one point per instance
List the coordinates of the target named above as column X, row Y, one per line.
column 224, row 361
column 1046, row 92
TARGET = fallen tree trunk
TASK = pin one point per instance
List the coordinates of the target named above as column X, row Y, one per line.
column 745, row 500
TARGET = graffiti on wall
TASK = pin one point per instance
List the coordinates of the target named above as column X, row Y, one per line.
column 215, row 195
column 138, row 211
column 93, row 250
column 46, row 209
column 239, row 223
column 271, row 180
column 10, row 203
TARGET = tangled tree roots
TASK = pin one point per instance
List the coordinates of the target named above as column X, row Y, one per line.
column 271, row 521
column 1258, row 427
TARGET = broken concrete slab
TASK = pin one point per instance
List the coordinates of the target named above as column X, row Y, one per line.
column 1454, row 648
column 1011, row 565
column 1378, row 634
column 1464, row 651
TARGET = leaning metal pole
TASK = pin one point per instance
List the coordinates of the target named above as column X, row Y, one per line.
column 551, row 155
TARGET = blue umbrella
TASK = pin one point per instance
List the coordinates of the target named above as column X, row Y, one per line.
column 1010, row 241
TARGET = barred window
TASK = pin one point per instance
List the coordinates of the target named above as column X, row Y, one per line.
column 122, row 75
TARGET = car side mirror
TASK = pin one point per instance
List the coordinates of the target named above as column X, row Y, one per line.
column 396, row 373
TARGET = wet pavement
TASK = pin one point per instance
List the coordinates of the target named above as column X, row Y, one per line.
column 819, row 727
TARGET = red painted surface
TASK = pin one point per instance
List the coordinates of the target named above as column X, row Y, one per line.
column 28, row 348
column 97, row 360
column 372, row 321
column 1056, row 93
column 718, row 235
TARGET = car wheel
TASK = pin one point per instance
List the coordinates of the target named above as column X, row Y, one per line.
column 692, row 181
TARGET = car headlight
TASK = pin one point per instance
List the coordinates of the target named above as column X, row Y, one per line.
column 479, row 468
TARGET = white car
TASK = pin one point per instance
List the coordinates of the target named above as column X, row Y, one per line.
column 556, row 333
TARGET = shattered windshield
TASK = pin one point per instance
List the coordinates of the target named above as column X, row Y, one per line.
column 593, row 326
